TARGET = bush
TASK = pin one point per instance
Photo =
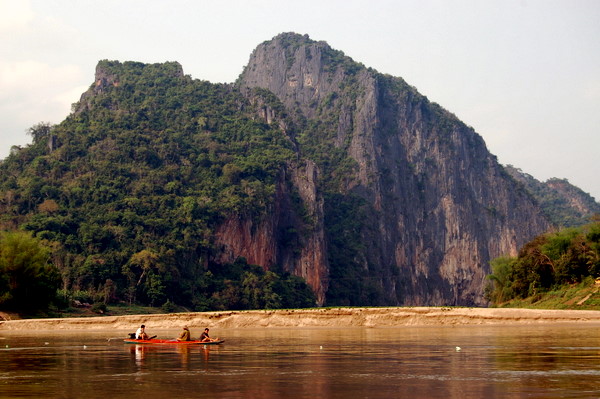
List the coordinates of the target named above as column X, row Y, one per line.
column 82, row 296
column 550, row 261
column 99, row 307
column 169, row 307
column 27, row 281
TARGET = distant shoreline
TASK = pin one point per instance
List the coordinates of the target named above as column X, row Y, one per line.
column 316, row 317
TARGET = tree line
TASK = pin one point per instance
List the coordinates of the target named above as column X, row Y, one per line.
column 546, row 263
column 30, row 283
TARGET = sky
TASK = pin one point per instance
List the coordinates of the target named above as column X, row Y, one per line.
column 525, row 74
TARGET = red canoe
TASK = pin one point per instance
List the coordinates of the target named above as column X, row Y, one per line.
column 170, row 342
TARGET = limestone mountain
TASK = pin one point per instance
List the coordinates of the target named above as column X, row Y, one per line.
column 309, row 165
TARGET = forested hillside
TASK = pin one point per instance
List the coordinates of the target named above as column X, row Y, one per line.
column 564, row 204
column 127, row 189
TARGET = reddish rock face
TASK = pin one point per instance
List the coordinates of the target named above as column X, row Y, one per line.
column 267, row 241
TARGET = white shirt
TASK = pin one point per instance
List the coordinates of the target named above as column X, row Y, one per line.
column 138, row 333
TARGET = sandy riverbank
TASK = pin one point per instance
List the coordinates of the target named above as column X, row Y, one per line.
column 320, row 317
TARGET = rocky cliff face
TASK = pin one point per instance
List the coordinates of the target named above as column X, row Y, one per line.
column 436, row 206
column 290, row 236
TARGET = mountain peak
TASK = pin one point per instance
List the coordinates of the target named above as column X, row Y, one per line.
column 300, row 71
column 292, row 38
column 112, row 74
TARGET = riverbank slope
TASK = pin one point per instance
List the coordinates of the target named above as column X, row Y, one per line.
column 317, row 317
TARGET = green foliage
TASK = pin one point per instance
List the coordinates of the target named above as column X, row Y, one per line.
column 99, row 308
column 349, row 283
column 242, row 286
column 139, row 175
column 501, row 277
column 584, row 295
column 28, row 282
column 169, row 307
column 557, row 198
column 40, row 131
column 549, row 262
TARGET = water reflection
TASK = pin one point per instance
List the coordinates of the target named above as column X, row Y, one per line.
column 556, row 361
column 140, row 353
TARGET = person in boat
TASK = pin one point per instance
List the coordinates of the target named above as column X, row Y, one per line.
column 204, row 337
column 141, row 333
column 185, row 334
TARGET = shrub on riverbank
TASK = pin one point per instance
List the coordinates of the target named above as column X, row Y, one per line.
column 551, row 270
column 582, row 296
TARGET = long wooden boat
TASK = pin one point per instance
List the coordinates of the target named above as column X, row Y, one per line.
column 170, row 342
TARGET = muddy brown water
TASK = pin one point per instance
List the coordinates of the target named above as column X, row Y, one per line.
column 550, row 361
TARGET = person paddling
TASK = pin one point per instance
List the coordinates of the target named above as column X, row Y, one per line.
column 204, row 337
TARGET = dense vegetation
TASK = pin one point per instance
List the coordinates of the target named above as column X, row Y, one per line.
column 552, row 261
column 28, row 282
column 564, row 204
column 126, row 190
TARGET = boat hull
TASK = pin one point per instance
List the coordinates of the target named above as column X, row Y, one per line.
column 169, row 342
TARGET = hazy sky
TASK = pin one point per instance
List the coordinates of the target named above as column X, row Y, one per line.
column 524, row 74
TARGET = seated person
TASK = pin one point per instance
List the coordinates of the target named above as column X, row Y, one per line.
column 204, row 337
column 141, row 333
column 185, row 334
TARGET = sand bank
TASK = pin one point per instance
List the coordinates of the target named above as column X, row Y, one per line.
column 319, row 317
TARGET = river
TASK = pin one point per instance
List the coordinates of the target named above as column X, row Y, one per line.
column 548, row 361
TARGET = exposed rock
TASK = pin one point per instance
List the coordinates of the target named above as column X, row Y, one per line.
column 439, row 206
column 290, row 235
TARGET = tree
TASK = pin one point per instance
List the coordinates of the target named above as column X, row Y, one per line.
column 499, row 290
column 257, row 291
column 145, row 268
column 28, row 282
column 39, row 131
